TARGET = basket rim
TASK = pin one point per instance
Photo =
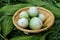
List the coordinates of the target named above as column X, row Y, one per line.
column 32, row 31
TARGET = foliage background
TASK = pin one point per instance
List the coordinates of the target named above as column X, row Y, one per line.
column 7, row 11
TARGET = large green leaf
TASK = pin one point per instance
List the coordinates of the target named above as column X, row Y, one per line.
column 55, row 10
column 39, row 36
column 58, row 5
column 11, row 9
column 37, row 2
column 7, row 26
column 22, row 38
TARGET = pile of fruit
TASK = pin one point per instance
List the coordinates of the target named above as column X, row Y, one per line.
column 32, row 18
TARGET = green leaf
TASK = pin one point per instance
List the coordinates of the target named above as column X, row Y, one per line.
column 53, row 9
column 44, row 36
column 8, row 2
column 22, row 38
column 1, row 36
column 7, row 26
column 38, row 36
column 37, row 2
column 11, row 9
column 15, row 33
column 58, row 1
column 27, row 37
column 24, row 1
column 6, row 7
column 49, row 1
column 2, row 18
column 58, row 5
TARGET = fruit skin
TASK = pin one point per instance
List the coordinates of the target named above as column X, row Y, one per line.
column 33, row 11
column 23, row 14
column 35, row 23
column 23, row 22
column 42, row 17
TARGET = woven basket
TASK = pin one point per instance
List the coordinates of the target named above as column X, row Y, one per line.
column 48, row 22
